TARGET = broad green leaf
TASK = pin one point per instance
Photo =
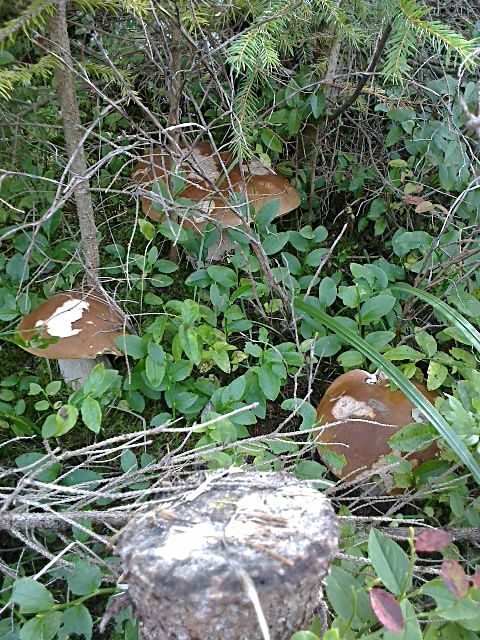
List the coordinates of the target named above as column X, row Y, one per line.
column 222, row 275
column 76, row 620
column 132, row 345
column 220, row 356
column 269, row 382
column 85, row 578
column 412, row 437
column 390, row 562
column 91, row 414
column 327, row 291
column 427, row 343
column 405, row 241
column 267, row 213
column 436, row 375
column 66, row 418
column 43, row 627
column 319, row 318
column 190, row 344
column 147, row 229
column 31, row 595
column 154, row 371
column 375, row 308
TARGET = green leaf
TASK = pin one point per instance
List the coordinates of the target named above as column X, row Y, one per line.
column 267, row 213
column 154, row 371
column 405, row 241
column 32, row 596
column 403, row 352
column 222, row 275
column 76, row 620
column 6, row 57
column 132, row 345
column 190, row 344
column 327, row 291
column 426, row 342
column 274, row 242
column 271, row 140
column 305, row 635
column 34, row 389
column 310, row 470
column 53, row 388
column 85, row 578
column 436, row 375
column 390, row 562
column 147, row 229
column 91, row 414
column 220, row 356
column 41, row 627
column 319, row 319
column 269, row 382
column 412, row 437
column 66, row 418
column 375, row 308
column 128, row 461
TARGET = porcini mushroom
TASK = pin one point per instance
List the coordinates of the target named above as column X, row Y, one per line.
column 370, row 414
column 211, row 179
column 83, row 327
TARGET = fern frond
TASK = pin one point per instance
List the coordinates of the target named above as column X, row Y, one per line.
column 33, row 17
column 25, row 73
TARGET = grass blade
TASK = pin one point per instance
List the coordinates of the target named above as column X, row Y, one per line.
column 320, row 318
column 446, row 311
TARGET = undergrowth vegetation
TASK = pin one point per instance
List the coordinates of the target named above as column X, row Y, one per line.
column 369, row 109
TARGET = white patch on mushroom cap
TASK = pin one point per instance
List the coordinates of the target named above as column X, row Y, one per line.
column 59, row 324
column 347, row 407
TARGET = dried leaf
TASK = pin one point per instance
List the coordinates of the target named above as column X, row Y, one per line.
column 433, row 540
column 409, row 199
column 387, row 610
column 424, row 207
column 455, row 578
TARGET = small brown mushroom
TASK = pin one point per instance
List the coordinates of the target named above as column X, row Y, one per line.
column 204, row 167
column 358, row 395
column 85, row 327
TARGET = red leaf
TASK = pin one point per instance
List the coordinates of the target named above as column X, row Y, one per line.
column 387, row 610
column 454, row 577
column 476, row 578
column 433, row 540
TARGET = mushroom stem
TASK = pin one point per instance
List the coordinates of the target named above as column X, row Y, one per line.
column 76, row 372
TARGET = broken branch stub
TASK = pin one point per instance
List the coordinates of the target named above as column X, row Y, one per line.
column 242, row 553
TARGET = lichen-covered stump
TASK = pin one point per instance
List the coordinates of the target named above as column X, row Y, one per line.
column 241, row 551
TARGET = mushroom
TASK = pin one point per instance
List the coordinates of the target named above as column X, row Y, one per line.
column 358, row 395
column 85, row 327
column 204, row 167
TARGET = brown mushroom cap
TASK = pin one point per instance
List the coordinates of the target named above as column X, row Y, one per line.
column 259, row 183
column 84, row 324
column 358, row 394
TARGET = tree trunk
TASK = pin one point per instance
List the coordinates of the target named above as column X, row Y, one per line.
column 73, row 139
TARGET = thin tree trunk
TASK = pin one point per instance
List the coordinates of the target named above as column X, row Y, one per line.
column 73, row 139
column 175, row 94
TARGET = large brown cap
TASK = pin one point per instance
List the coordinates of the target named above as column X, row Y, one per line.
column 356, row 395
column 85, row 325
column 203, row 166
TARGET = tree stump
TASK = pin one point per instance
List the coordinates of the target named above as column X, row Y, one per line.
column 240, row 557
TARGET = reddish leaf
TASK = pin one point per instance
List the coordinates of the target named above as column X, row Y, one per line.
column 408, row 199
column 454, row 577
column 433, row 540
column 476, row 578
column 387, row 610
